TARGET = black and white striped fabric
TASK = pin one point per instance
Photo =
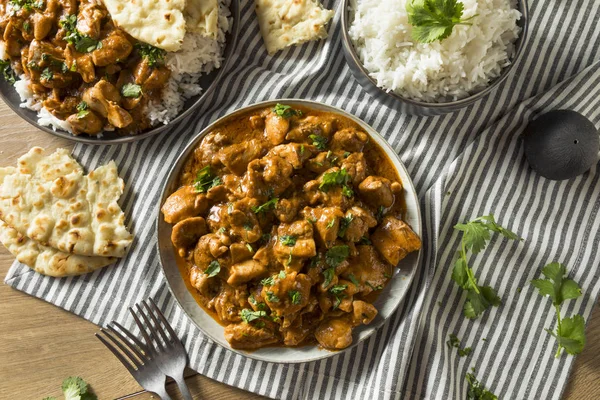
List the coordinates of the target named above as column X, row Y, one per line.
column 463, row 165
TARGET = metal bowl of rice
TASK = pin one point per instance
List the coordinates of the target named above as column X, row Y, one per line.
column 439, row 77
column 195, row 70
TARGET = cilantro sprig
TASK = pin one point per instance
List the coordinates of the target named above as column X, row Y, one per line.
column 475, row 236
column 570, row 332
column 434, row 19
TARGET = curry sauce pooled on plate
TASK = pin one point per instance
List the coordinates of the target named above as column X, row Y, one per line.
column 86, row 71
column 287, row 221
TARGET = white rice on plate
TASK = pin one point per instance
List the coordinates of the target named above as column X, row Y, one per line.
column 454, row 68
column 198, row 56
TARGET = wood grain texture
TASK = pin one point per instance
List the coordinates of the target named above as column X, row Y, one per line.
column 42, row 344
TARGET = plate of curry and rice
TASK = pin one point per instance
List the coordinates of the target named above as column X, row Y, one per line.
column 106, row 71
column 289, row 231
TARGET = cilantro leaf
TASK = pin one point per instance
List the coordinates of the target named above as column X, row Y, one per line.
column 285, row 111
column 434, row 19
column 154, row 55
column 334, row 178
column 454, row 342
column 213, row 269
column 344, row 224
column 272, row 298
column 328, row 276
column 320, row 142
column 7, row 72
column 288, row 240
column 131, row 90
column 206, row 180
column 571, row 334
column 82, row 109
column 556, row 286
column 269, row 205
column 476, row 391
column 353, row 279
column 295, row 296
column 268, row 281
column 336, row 255
column 477, row 303
column 338, row 289
column 248, row 315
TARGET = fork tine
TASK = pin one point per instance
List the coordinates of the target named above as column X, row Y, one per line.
column 151, row 328
column 157, row 323
column 117, row 354
column 127, row 343
column 130, row 335
column 147, row 338
column 136, row 363
column 164, row 320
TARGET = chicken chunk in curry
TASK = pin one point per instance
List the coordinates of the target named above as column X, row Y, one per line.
column 289, row 223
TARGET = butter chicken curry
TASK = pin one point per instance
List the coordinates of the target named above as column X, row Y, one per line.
column 82, row 68
column 288, row 220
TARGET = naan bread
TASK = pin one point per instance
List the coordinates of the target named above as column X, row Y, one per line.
column 47, row 260
column 156, row 22
column 202, row 16
column 74, row 213
column 287, row 22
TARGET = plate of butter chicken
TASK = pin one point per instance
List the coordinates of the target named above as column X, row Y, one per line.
column 99, row 71
column 289, row 230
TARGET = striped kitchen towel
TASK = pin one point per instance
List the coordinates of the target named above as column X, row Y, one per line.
column 463, row 165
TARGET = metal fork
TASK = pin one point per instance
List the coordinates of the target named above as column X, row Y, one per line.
column 161, row 355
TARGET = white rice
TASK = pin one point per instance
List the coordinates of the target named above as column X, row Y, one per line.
column 198, row 56
column 464, row 63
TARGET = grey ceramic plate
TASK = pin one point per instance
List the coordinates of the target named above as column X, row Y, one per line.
column 415, row 107
column 387, row 303
column 207, row 82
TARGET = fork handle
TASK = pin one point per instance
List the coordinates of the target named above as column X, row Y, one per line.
column 162, row 393
column 183, row 388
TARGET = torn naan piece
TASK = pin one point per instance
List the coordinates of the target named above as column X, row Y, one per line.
column 74, row 213
column 202, row 16
column 47, row 260
column 157, row 22
column 284, row 23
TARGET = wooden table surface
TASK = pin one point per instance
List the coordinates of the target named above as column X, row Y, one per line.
column 42, row 344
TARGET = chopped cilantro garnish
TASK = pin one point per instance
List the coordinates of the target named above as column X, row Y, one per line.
column 288, row 240
column 131, row 90
column 269, row 205
column 336, row 255
column 272, row 298
column 206, row 180
column 295, row 296
column 320, row 142
column 248, row 315
column 213, row 269
column 286, row 111
column 154, row 55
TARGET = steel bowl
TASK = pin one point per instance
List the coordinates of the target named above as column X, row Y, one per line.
column 387, row 302
column 207, row 82
column 415, row 107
